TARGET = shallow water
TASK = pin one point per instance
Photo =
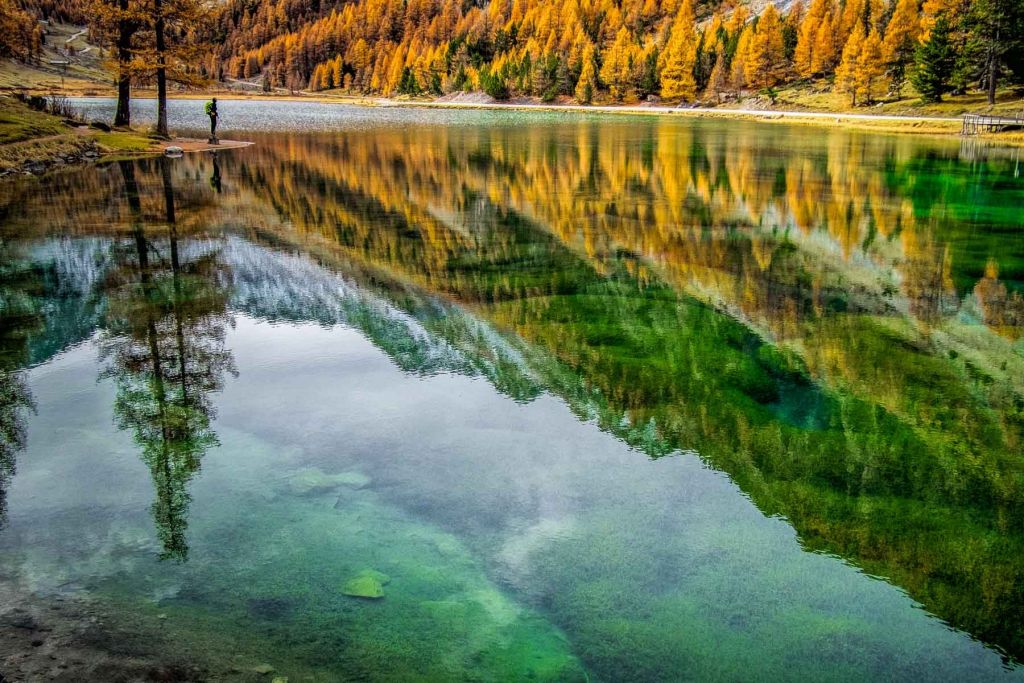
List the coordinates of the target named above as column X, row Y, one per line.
column 581, row 398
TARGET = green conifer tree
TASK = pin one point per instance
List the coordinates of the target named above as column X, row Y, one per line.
column 935, row 61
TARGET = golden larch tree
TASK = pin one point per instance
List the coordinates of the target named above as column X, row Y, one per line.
column 826, row 46
column 586, row 86
column 846, row 72
column 680, row 56
column 765, row 60
column 616, row 71
column 807, row 37
column 739, row 59
column 870, row 67
column 901, row 36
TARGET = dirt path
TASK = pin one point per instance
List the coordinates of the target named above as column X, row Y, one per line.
column 693, row 111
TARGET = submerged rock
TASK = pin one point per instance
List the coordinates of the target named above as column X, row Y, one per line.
column 368, row 583
column 379, row 576
column 312, row 481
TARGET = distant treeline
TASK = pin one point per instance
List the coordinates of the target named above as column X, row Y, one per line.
column 607, row 50
column 622, row 51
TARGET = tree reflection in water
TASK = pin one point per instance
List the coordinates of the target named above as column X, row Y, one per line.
column 164, row 347
column 840, row 336
column 18, row 318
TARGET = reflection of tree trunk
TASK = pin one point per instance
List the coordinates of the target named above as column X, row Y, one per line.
column 165, row 492
column 131, row 189
column 167, row 355
column 179, row 331
column 165, row 172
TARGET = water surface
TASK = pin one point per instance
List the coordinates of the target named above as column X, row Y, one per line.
column 583, row 397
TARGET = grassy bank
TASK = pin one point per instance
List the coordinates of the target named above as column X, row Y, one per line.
column 34, row 141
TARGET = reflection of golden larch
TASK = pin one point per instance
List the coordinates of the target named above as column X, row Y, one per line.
column 762, row 250
column 1000, row 310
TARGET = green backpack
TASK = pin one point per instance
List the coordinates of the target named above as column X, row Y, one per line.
column 209, row 108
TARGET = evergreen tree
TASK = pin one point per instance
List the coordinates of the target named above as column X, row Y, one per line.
column 649, row 78
column 935, row 61
column 408, row 85
column 996, row 30
column 791, row 30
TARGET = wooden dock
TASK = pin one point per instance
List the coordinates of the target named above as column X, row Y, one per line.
column 974, row 124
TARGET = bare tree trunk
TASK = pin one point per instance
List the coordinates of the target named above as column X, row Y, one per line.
column 161, row 71
column 992, row 68
column 125, row 30
column 124, row 86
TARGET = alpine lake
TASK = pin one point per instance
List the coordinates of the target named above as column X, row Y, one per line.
column 405, row 394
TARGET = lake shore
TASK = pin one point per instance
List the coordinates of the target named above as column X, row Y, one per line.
column 34, row 143
column 901, row 124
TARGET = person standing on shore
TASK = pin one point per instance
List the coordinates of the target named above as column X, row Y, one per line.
column 211, row 111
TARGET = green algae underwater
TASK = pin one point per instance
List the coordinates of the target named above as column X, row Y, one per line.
column 527, row 397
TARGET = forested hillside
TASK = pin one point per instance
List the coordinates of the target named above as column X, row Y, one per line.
column 582, row 50
column 623, row 50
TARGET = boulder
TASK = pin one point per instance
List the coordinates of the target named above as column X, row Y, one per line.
column 99, row 125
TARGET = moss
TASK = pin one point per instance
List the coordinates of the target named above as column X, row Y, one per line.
column 368, row 583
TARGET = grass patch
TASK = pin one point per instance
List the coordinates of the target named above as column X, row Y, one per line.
column 123, row 141
column 19, row 123
column 28, row 136
column 819, row 96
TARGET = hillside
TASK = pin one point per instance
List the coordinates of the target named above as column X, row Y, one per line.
column 624, row 50
column 66, row 61
column 832, row 55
